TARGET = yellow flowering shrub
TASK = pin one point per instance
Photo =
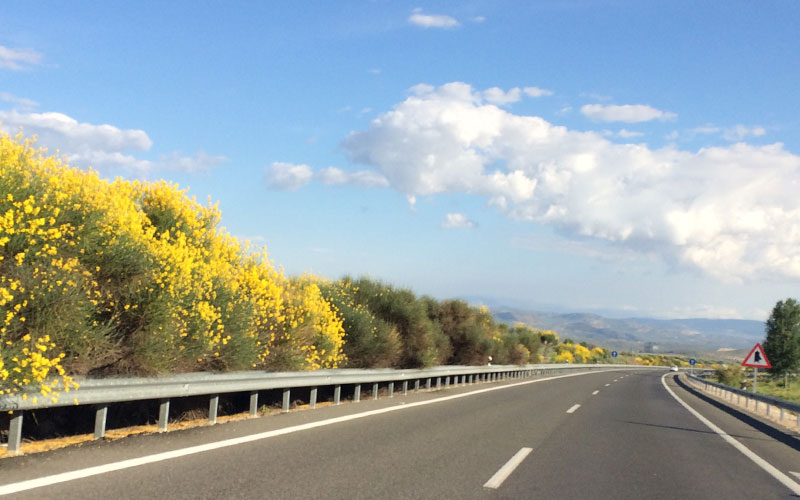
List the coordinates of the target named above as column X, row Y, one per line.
column 100, row 277
column 565, row 356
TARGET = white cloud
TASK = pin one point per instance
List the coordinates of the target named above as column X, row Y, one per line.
column 735, row 133
column 457, row 221
column 496, row 95
column 629, row 113
column 731, row 212
column 705, row 129
column 537, row 92
column 431, row 20
column 287, row 176
column 200, row 162
column 478, row 19
column 18, row 102
column 333, row 176
column 103, row 147
column 18, row 59
column 627, row 134
column 740, row 132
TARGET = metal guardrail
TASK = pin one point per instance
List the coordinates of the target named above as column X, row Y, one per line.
column 729, row 392
column 103, row 392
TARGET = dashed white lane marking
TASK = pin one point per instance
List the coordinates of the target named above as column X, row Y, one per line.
column 40, row 482
column 795, row 474
column 595, row 393
column 608, row 385
column 574, row 407
column 768, row 467
column 495, row 481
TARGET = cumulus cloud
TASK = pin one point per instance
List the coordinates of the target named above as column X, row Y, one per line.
column 537, row 92
column 287, row 176
column 731, row 212
column 628, row 113
column 106, row 148
column 457, row 221
column 431, row 20
column 333, row 176
column 18, row 59
column 496, row 95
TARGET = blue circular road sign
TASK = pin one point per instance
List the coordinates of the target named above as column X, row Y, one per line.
column 692, row 361
column 613, row 354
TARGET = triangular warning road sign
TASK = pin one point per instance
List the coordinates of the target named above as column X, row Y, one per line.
column 757, row 358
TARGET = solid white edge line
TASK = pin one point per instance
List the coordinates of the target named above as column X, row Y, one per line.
column 30, row 484
column 769, row 468
column 501, row 475
column 573, row 408
column 595, row 393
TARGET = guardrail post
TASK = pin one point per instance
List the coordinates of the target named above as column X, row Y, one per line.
column 391, row 389
column 213, row 406
column 446, row 382
column 312, row 399
column 253, row 403
column 438, row 383
column 287, row 393
column 428, row 384
column 15, row 432
column 337, row 394
column 100, row 415
column 357, row 394
column 416, row 385
column 470, row 380
column 375, row 390
column 163, row 415
column 405, row 387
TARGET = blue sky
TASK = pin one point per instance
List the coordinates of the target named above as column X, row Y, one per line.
column 636, row 157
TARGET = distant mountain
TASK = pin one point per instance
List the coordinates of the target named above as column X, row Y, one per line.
column 722, row 337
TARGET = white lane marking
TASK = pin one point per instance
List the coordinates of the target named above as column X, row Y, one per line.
column 573, row 408
column 608, row 385
column 595, row 393
column 168, row 455
column 769, row 468
column 495, row 481
column 796, row 474
column 615, row 380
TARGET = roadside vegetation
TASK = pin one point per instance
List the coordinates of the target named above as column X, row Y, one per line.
column 782, row 347
column 102, row 278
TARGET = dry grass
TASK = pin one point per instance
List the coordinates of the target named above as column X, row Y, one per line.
column 29, row 447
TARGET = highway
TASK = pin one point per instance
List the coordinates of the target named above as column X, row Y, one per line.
column 620, row 435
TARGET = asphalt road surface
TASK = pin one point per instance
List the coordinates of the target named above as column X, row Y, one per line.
column 620, row 435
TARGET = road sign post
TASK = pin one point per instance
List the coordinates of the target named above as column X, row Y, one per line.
column 692, row 362
column 614, row 355
column 755, row 360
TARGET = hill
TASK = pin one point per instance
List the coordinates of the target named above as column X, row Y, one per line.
column 723, row 337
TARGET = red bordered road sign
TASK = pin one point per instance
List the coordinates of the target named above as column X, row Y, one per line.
column 757, row 358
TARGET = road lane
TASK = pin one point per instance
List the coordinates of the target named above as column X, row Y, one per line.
column 380, row 450
column 630, row 440
column 635, row 441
